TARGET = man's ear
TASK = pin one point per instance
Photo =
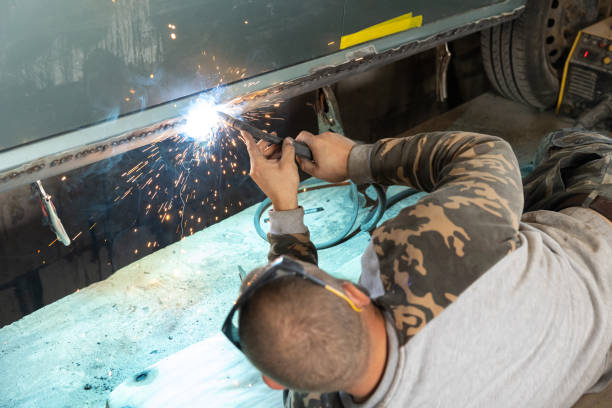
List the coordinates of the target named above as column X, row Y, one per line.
column 359, row 298
column 271, row 383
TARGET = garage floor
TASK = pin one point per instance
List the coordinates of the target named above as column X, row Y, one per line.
column 75, row 351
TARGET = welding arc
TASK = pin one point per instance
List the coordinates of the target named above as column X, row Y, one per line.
column 300, row 148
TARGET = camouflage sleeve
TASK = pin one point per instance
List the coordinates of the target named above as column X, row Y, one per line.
column 439, row 160
column 460, row 170
column 289, row 236
column 435, row 249
column 295, row 245
column 296, row 399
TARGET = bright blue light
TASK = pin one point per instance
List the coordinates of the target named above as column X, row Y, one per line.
column 202, row 120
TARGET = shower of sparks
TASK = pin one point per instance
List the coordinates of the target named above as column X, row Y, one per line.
column 200, row 158
column 203, row 159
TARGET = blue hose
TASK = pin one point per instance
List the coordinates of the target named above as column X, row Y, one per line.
column 368, row 224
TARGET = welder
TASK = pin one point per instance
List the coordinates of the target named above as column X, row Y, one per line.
column 473, row 296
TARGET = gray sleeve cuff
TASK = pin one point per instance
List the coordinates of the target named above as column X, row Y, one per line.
column 287, row 222
column 359, row 170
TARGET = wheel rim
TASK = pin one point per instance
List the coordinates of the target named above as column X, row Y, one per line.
column 563, row 21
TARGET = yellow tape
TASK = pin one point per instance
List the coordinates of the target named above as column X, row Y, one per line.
column 395, row 25
column 567, row 62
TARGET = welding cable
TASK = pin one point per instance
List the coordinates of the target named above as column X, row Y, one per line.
column 315, row 184
column 394, row 199
column 308, row 186
column 369, row 222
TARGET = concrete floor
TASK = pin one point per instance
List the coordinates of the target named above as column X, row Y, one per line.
column 73, row 352
column 491, row 114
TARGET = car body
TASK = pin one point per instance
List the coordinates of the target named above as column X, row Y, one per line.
column 83, row 80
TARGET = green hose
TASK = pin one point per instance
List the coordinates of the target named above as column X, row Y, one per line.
column 371, row 219
column 368, row 224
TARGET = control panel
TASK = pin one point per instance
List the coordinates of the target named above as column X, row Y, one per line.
column 594, row 51
column 587, row 77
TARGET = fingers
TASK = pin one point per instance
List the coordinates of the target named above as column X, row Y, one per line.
column 263, row 145
column 305, row 164
column 288, row 155
column 272, row 152
column 305, row 137
column 252, row 148
column 308, row 166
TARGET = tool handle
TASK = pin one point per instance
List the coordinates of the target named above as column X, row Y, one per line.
column 301, row 149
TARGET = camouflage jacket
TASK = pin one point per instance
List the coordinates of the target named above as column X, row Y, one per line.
column 433, row 250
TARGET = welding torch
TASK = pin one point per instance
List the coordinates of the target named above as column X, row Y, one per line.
column 301, row 149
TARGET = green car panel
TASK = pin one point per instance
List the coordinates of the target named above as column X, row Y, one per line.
column 77, row 79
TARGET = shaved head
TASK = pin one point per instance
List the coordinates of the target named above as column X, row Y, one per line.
column 301, row 335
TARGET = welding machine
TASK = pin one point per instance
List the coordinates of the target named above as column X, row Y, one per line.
column 587, row 78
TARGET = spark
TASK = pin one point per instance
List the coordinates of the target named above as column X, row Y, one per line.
column 202, row 120
column 173, row 36
column 202, row 144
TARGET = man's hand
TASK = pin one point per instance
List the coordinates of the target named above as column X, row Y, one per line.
column 275, row 173
column 330, row 152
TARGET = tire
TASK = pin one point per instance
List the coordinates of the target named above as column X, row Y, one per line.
column 524, row 58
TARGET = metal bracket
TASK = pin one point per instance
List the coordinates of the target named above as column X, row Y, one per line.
column 328, row 113
column 50, row 214
column 443, row 58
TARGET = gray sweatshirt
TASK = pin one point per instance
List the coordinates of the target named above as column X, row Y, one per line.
column 483, row 308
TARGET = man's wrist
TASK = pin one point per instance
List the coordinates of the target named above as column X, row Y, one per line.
column 285, row 205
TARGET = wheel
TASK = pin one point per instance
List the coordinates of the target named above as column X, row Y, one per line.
column 524, row 58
